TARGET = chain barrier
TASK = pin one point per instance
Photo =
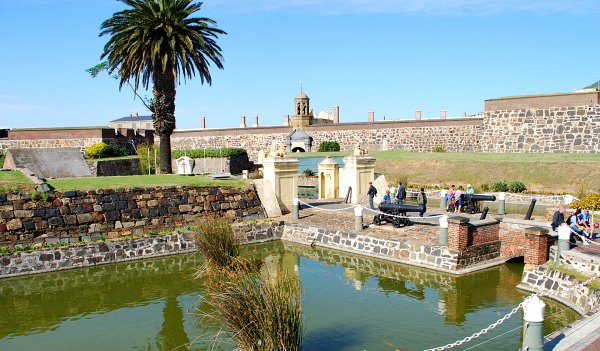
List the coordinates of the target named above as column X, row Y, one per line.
column 583, row 238
column 372, row 210
column 325, row 209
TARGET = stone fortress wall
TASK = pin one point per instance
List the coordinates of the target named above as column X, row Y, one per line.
column 574, row 129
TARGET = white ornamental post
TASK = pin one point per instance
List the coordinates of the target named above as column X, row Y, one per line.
column 533, row 328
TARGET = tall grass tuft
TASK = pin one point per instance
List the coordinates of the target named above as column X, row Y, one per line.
column 261, row 313
column 215, row 239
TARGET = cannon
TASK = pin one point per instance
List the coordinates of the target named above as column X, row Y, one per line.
column 471, row 202
column 391, row 213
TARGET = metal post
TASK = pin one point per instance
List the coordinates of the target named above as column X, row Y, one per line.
column 484, row 213
column 501, row 203
column 444, row 230
column 530, row 209
column 358, row 218
column 296, row 210
column 533, row 328
column 443, row 200
column 564, row 234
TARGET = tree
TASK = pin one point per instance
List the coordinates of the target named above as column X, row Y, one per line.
column 159, row 41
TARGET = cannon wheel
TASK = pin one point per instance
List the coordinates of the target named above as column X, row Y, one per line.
column 397, row 222
column 377, row 220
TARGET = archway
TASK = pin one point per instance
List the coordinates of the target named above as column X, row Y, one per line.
column 298, row 149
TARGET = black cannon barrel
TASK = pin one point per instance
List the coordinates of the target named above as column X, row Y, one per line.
column 479, row 197
column 388, row 207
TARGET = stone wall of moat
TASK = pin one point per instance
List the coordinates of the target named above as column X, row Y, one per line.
column 54, row 259
column 74, row 216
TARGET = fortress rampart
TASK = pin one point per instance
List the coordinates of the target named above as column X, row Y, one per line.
column 573, row 129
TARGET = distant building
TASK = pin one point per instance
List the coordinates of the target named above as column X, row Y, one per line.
column 583, row 97
column 139, row 124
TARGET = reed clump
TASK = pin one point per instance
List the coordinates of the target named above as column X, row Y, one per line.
column 261, row 311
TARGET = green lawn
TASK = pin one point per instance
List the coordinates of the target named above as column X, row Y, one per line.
column 139, row 181
column 13, row 177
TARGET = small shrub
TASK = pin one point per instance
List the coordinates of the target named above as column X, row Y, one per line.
column 500, row 186
column 2, row 157
column 149, row 157
column 103, row 150
column 328, row 146
column 308, row 172
column 589, row 202
column 45, row 196
column 516, row 186
column 439, row 149
column 485, row 187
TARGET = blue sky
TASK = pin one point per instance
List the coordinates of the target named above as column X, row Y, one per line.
column 388, row 56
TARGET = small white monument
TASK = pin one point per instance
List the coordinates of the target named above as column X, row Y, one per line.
column 280, row 173
column 359, row 171
column 329, row 179
column 185, row 165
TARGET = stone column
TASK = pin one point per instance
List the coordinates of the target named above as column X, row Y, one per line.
column 281, row 175
column 255, row 125
column 203, row 122
column 329, row 179
column 286, row 121
column 243, row 122
column 418, row 115
column 359, row 171
column 443, row 115
column 458, row 233
column 336, row 114
column 371, row 116
column 536, row 245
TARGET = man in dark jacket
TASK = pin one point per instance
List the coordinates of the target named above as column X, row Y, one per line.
column 372, row 192
column 558, row 218
column 401, row 194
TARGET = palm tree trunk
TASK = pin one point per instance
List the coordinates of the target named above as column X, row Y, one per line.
column 163, row 104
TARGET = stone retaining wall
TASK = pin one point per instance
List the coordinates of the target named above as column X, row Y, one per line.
column 22, row 263
column 582, row 262
column 119, row 167
column 91, row 215
column 561, row 287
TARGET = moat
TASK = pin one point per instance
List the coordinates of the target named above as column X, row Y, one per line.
column 350, row 303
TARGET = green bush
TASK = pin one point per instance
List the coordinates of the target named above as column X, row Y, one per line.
column 485, row 187
column 147, row 154
column 516, row 186
column 103, row 150
column 210, row 153
column 328, row 146
column 308, row 172
column 439, row 149
column 2, row 157
column 500, row 186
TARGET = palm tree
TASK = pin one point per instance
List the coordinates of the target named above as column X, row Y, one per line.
column 159, row 41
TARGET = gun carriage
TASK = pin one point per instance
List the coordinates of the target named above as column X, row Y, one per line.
column 470, row 202
column 395, row 214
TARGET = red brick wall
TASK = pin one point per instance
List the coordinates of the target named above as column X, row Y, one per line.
column 483, row 234
column 513, row 240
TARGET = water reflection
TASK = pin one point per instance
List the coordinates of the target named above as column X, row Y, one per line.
column 350, row 302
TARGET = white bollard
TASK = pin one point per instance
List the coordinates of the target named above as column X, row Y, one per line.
column 533, row 328
column 444, row 230
column 358, row 218
column 568, row 199
column 501, row 203
column 443, row 203
column 296, row 203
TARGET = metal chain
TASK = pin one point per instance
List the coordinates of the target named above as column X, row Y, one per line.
column 582, row 237
column 325, row 209
column 372, row 210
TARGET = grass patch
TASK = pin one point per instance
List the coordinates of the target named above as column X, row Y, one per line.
column 14, row 177
column 88, row 183
column 594, row 284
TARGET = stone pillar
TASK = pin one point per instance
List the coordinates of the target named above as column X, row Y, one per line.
column 336, row 114
column 418, row 115
column 329, row 179
column 536, row 245
column 203, row 122
column 255, row 125
column 359, row 171
column 243, row 122
column 458, row 233
column 371, row 116
column 443, row 115
column 286, row 121
column 281, row 174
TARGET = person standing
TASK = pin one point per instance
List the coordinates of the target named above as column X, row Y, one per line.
column 422, row 200
column 372, row 192
column 401, row 194
column 470, row 189
column 558, row 218
column 458, row 199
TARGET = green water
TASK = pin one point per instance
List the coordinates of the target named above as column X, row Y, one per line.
column 350, row 303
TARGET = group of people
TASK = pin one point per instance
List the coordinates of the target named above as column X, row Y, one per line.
column 399, row 196
column 455, row 197
column 578, row 222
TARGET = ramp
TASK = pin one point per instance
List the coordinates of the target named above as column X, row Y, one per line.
column 267, row 198
column 49, row 163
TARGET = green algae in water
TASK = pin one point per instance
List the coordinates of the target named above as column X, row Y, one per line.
column 351, row 302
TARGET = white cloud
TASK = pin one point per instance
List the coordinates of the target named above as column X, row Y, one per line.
column 437, row 7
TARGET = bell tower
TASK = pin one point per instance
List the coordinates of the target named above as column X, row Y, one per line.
column 302, row 113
